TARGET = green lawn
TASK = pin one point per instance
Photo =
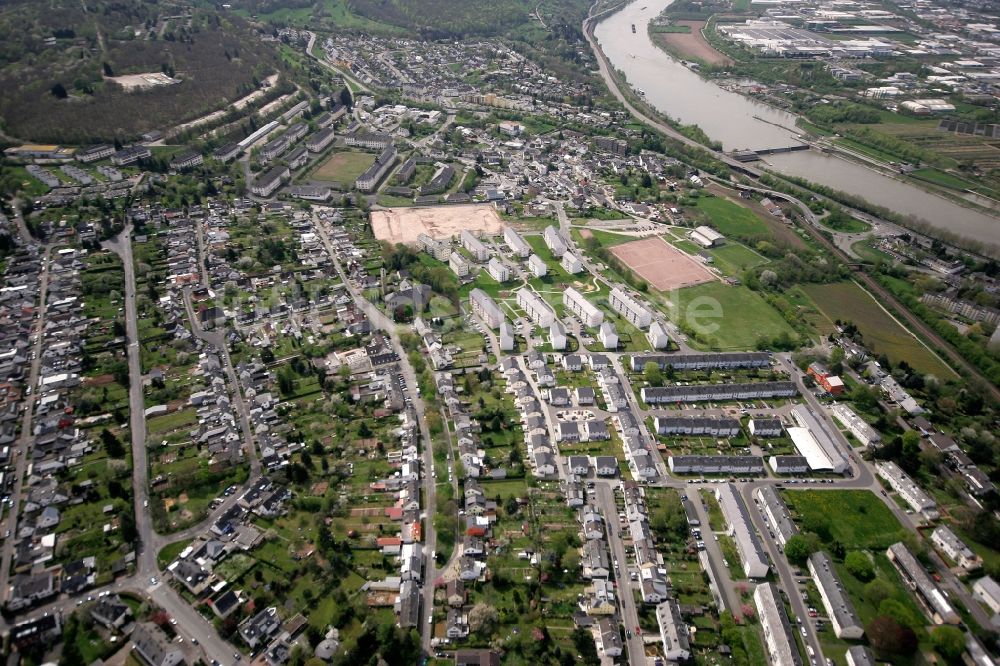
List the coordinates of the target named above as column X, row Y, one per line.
column 733, row 258
column 605, row 238
column 344, row 167
column 731, row 219
column 847, row 301
column 744, row 317
column 856, row 518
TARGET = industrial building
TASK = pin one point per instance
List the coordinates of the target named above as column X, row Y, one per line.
column 840, row 610
column 707, row 237
column 816, row 442
column 752, row 556
column 578, row 304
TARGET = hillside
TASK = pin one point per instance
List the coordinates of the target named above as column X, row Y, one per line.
column 57, row 59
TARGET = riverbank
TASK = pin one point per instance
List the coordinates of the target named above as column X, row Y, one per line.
column 690, row 44
column 740, row 122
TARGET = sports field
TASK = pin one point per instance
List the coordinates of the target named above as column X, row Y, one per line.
column 403, row 225
column 882, row 334
column 662, row 265
column 343, row 167
column 744, row 317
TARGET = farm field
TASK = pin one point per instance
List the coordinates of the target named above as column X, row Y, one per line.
column 343, row 167
column 856, row 518
column 882, row 334
column 746, row 317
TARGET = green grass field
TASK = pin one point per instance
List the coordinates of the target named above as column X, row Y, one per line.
column 856, row 518
column 746, row 317
column 344, row 167
column 605, row 238
column 733, row 259
column 731, row 219
column 882, row 334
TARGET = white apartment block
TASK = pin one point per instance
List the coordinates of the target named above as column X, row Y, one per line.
column 506, row 336
column 753, row 559
column 516, row 243
column 957, row 551
column 537, row 266
column 657, row 336
column 459, row 264
column 608, row 336
column 440, row 250
column 486, row 308
column 475, row 246
column 535, row 307
column 632, row 310
column 778, row 638
column 554, row 241
column 864, row 433
column 911, row 493
column 498, row 270
column 576, row 303
column 571, row 264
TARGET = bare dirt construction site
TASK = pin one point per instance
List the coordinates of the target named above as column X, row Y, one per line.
column 660, row 264
column 132, row 82
column 690, row 44
column 403, row 225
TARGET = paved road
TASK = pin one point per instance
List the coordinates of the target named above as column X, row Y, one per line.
column 604, row 492
column 380, row 321
column 25, row 438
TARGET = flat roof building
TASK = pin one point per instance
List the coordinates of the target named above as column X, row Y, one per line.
column 814, row 440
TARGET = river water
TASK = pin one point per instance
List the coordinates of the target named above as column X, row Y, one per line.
column 740, row 122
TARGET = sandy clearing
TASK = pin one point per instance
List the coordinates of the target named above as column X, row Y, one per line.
column 403, row 225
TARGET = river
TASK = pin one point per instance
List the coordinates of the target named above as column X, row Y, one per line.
column 741, row 122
